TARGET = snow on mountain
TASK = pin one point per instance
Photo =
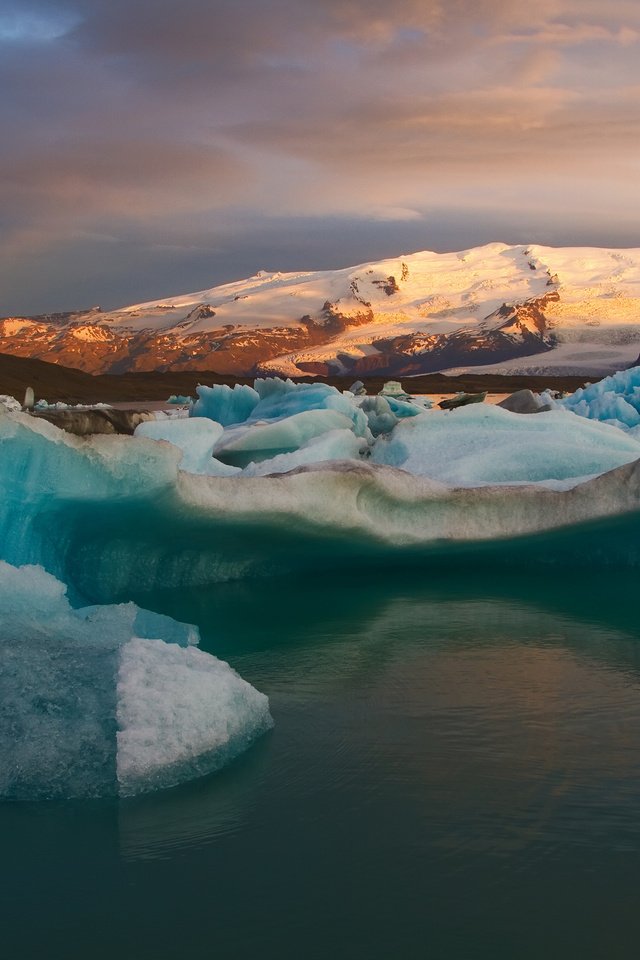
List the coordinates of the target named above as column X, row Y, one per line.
column 497, row 307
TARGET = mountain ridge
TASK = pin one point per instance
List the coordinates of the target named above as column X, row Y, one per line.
column 516, row 309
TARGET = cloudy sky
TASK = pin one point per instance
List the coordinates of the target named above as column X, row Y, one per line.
column 151, row 147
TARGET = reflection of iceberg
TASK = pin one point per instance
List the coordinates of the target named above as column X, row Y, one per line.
column 389, row 690
column 92, row 708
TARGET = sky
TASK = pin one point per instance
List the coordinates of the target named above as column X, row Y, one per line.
column 152, row 147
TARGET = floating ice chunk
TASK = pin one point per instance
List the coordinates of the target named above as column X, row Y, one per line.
column 485, row 444
column 262, row 441
column 333, row 445
column 526, row 402
column 180, row 399
column 44, row 469
column 223, row 404
column 615, row 400
column 90, row 710
column 196, row 438
column 273, row 399
column 206, row 715
column 283, row 398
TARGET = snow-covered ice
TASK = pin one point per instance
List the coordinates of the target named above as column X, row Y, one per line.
column 180, row 714
column 10, row 403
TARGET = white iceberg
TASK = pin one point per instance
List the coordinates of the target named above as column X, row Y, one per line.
column 196, row 438
column 484, row 444
column 90, row 708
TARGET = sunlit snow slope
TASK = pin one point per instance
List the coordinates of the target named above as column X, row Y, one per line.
column 527, row 309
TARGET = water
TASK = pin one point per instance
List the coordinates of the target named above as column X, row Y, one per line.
column 454, row 773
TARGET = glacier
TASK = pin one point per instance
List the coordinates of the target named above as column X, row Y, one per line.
column 95, row 704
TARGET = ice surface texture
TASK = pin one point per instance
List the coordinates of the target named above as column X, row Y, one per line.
column 615, row 400
column 93, row 704
column 196, row 439
column 273, row 399
column 481, row 444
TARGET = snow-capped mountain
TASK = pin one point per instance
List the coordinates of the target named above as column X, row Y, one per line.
column 498, row 308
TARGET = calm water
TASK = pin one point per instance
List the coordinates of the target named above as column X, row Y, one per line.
column 454, row 773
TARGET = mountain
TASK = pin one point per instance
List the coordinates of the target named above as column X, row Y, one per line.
column 516, row 310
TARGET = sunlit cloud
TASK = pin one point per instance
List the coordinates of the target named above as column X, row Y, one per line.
column 147, row 121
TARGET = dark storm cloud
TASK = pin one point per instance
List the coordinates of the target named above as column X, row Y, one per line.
column 162, row 125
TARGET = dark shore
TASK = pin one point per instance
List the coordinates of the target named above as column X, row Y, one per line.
column 53, row 382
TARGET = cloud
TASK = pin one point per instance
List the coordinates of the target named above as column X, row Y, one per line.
column 146, row 120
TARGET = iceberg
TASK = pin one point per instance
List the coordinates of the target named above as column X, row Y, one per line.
column 273, row 399
column 614, row 400
column 332, row 445
column 116, row 518
column 224, row 405
column 484, row 444
column 263, row 441
column 91, row 708
column 195, row 438
column 380, row 417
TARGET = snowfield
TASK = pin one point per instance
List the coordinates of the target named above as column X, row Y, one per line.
column 495, row 308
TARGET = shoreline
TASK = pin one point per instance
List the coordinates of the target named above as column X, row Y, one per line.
column 54, row 383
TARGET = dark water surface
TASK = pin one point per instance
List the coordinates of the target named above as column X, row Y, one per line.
column 454, row 773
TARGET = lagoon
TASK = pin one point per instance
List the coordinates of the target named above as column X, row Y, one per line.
column 454, row 772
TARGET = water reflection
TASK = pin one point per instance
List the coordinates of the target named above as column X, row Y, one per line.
column 454, row 772
column 506, row 720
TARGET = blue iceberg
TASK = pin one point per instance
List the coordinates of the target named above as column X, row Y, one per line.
column 614, row 400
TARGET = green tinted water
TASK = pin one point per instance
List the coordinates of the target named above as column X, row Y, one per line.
column 454, row 773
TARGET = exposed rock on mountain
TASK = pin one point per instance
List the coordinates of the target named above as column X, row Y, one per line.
column 520, row 309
